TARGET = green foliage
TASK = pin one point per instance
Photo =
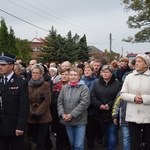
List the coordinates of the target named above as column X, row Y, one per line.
column 60, row 49
column 9, row 43
column 57, row 48
column 24, row 50
column 110, row 55
column 7, row 39
column 139, row 21
column 12, row 45
column 84, row 50
column 4, row 36
column 52, row 42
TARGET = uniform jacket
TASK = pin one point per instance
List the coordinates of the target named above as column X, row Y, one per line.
column 15, row 103
column 74, row 100
column 137, row 83
column 40, row 106
column 103, row 93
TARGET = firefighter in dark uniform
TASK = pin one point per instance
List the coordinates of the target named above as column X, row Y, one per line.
column 14, row 105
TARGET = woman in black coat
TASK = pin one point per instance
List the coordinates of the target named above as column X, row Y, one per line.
column 102, row 97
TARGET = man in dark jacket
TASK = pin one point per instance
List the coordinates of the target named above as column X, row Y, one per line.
column 14, row 105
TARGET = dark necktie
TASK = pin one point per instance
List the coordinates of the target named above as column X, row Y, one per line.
column 5, row 80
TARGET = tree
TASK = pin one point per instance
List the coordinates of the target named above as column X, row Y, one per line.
column 72, row 47
column 83, row 54
column 139, row 21
column 3, row 36
column 12, row 45
column 52, row 46
column 110, row 55
column 60, row 48
column 24, row 50
column 8, row 40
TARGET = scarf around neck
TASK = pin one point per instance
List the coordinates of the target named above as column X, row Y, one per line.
column 73, row 84
column 37, row 82
column 142, row 71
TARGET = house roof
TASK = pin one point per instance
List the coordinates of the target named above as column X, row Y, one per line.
column 131, row 55
column 38, row 40
column 95, row 49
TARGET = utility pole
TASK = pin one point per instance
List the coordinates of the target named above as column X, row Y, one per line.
column 110, row 51
column 122, row 51
column 110, row 42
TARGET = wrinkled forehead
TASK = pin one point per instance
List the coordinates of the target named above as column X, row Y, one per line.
column 65, row 64
column 33, row 62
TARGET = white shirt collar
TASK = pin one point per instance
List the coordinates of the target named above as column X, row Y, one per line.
column 9, row 76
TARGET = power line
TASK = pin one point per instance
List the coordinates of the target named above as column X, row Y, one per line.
column 24, row 20
column 98, row 43
column 36, row 14
column 38, row 26
column 85, row 27
column 74, row 25
column 32, row 12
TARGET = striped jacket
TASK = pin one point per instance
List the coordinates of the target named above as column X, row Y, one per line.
column 119, row 110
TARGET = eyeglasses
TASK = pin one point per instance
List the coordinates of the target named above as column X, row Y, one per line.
column 36, row 73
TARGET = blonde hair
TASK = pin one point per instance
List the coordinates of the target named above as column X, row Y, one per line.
column 75, row 69
column 124, row 59
column 88, row 66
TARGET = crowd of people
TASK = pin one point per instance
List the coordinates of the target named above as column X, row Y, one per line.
column 91, row 100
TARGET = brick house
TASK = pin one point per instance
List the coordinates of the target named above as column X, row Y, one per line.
column 131, row 56
column 36, row 44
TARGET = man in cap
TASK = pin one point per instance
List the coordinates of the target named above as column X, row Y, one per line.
column 14, row 105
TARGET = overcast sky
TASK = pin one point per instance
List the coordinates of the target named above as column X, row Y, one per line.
column 94, row 18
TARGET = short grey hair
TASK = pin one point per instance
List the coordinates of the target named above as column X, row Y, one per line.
column 18, row 66
column 38, row 66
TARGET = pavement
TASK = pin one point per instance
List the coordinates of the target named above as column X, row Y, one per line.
column 97, row 146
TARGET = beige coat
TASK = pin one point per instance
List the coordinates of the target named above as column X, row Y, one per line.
column 38, row 106
column 136, row 83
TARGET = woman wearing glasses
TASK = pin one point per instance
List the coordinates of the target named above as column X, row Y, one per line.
column 103, row 96
column 40, row 98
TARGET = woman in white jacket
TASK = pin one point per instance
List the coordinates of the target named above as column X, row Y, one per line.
column 136, row 91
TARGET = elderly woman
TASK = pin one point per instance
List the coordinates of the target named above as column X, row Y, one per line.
column 136, row 91
column 39, row 115
column 73, row 101
column 103, row 95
